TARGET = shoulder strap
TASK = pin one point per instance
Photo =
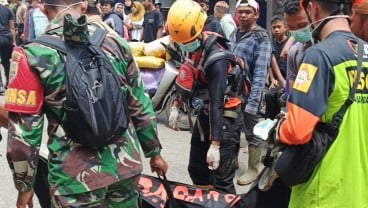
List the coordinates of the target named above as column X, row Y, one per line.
column 339, row 115
column 97, row 38
column 52, row 42
column 220, row 54
column 208, row 59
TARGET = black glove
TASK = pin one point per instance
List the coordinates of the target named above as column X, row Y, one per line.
column 174, row 52
column 282, row 100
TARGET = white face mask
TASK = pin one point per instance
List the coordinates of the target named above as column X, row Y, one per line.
column 329, row 17
column 66, row 7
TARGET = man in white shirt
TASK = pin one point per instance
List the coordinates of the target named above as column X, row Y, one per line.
column 221, row 13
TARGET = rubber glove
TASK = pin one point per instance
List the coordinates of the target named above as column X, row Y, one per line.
column 173, row 118
column 213, row 157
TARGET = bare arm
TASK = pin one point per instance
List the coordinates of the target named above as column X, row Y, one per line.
column 276, row 71
column 3, row 117
column 159, row 32
column 12, row 29
column 286, row 48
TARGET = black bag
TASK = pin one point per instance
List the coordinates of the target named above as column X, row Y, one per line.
column 159, row 192
column 96, row 107
column 277, row 196
column 297, row 162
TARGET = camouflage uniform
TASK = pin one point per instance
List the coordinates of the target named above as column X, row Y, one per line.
column 75, row 169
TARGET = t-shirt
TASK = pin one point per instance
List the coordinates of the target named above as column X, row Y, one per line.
column 277, row 48
column 152, row 22
column 38, row 23
column 213, row 25
column 5, row 16
column 295, row 56
column 228, row 25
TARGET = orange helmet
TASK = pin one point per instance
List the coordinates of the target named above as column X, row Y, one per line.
column 185, row 21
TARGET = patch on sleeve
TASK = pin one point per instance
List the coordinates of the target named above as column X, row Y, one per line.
column 25, row 93
column 305, row 77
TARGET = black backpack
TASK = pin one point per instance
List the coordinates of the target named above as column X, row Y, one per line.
column 96, row 107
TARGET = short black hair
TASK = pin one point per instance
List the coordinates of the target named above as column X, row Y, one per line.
column 334, row 5
column 62, row 2
column 202, row 1
column 277, row 18
column 292, row 7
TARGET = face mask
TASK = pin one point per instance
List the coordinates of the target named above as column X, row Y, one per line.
column 65, row 7
column 302, row 35
column 321, row 23
column 326, row 18
column 190, row 47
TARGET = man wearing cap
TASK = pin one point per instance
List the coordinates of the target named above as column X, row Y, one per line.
column 79, row 176
column 221, row 13
column 325, row 78
column 359, row 19
column 252, row 43
column 158, row 4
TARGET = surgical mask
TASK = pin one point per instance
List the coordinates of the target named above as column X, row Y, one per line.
column 190, row 47
column 302, row 35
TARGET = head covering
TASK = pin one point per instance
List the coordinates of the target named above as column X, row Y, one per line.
column 116, row 6
column 249, row 3
column 140, row 12
column 361, row 6
column 4, row 2
column 157, row 2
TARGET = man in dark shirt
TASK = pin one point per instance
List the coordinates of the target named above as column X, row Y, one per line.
column 153, row 23
column 211, row 24
column 7, row 41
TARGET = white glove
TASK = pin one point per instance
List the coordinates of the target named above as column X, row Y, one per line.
column 173, row 118
column 213, row 157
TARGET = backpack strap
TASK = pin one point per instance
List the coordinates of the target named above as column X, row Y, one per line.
column 217, row 55
column 98, row 36
column 53, row 42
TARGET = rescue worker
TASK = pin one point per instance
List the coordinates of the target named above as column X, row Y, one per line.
column 251, row 43
column 216, row 133
column 78, row 175
column 322, row 85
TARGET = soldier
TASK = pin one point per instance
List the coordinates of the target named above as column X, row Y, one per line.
column 105, row 177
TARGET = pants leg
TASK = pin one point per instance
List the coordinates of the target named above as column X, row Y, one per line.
column 6, row 49
column 41, row 185
column 198, row 167
column 118, row 195
column 224, row 176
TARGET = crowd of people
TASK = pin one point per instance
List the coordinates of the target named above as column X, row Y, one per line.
column 302, row 72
